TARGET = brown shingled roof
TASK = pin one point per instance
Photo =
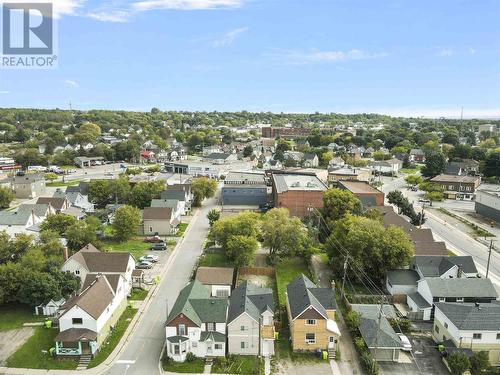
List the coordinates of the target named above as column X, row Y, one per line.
column 113, row 279
column 157, row 213
column 98, row 262
column 215, row 275
column 430, row 248
column 56, row 203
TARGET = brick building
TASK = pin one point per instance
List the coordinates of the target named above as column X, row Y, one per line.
column 458, row 187
column 368, row 195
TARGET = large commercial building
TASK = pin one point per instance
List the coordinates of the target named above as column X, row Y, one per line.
column 245, row 189
column 488, row 203
column 299, row 193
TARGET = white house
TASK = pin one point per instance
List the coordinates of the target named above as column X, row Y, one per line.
column 196, row 324
column 219, row 280
column 25, row 220
column 401, row 282
column 76, row 199
column 470, row 326
column 250, row 322
column 444, row 266
column 387, row 166
column 86, row 319
column 50, row 308
column 310, row 160
column 89, row 260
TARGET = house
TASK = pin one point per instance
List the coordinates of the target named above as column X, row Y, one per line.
column 28, row 185
column 84, row 161
column 148, row 156
column 180, row 196
column 417, row 155
column 302, row 143
column 436, row 289
column 76, row 199
column 311, row 316
column 268, row 144
column 444, row 266
column 401, row 282
column 299, row 193
column 463, row 167
column 310, row 160
column 89, row 260
column 220, row 158
column 336, row 163
column 245, row 189
column 158, row 221
column 488, row 203
column 458, row 187
column 348, row 174
column 368, row 195
column 87, row 318
column 178, row 153
column 50, row 308
column 296, row 156
column 82, row 188
column 378, row 334
column 60, row 205
column 272, row 164
column 391, row 166
column 24, row 220
column 138, row 279
column 186, row 188
column 196, row 324
column 250, row 321
column 219, row 280
column 214, row 149
column 471, row 326
column 178, row 208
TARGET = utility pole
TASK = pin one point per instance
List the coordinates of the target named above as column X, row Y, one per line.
column 378, row 333
column 489, row 257
column 345, row 274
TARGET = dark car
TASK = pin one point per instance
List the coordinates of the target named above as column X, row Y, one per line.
column 159, row 246
column 153, row 239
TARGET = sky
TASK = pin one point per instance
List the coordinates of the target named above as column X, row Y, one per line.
column 397, row 57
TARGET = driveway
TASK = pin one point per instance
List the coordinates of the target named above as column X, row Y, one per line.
column 427, row 357
column 11, row 340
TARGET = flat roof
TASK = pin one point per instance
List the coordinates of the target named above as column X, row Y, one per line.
column 454, row 178
column 359, row 187
column 349, row 171
column 286, row 182
column 242, row 176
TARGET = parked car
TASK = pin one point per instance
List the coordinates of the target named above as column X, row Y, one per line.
column 159, row 246
column 149, row 258
column 153, row 239
column 406, row 342
column 144, row 265
column 423, row 200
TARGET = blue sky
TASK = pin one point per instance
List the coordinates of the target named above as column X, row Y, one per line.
column 422, row 58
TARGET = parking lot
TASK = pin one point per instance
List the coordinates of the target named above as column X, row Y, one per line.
column 163, row 256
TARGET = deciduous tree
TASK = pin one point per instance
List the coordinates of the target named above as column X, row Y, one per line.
column 203, row 188
column 126, row 222
column 6, row 196
column 241, row 250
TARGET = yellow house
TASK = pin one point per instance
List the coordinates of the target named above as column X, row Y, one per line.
column 311, row 315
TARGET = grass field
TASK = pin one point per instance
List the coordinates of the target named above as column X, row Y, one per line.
column 138, row 294
column 182, row 229
column 34, row 352
column 194, row 367
column 61, row 184
column 13, row 315
column 286, row 271
column 136, row 246
column 214, row 259
column 411, row 170
column 114, row 338
column 283, row 351
column 238, row 364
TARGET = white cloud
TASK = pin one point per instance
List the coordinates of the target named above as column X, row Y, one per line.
column 71, row 83
column 315, row 57
column 228, row 38
column 486, row 113
column 112, row 15
column 4, row 92
column 444, row 52
column 186, row 4
column 60, row 8
column 472, row 51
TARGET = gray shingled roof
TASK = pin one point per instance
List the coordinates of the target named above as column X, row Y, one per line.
column 463, row 287
column 213, row 335
column 173, row 194
column 435, row 266
column 250, row 298
column 303, row 293
column 402, row 277
column 468, row 316
column 419, row 300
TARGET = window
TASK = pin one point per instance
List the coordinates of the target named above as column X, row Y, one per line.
column 222, row 293
column 436, row 329
column 243, row 345
column 218, row 346
column 445, row 325
column 310, row 338
column 311, row 322
column 468, row 188
column 194, row 344
column 182, row 329
column 77, row 272
column 242, row 328
column 498, row 336
column 442, row 299
column 176, row 349
column 150, row 229
column 77, row 321
column 460, row 299
column 210, row 326
column 450, row 187
column 477, row 336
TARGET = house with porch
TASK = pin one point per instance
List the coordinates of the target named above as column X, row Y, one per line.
column 87, row 318
column 196, row 324
column 158, row 221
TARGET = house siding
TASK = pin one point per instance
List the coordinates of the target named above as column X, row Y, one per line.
column 250, row 336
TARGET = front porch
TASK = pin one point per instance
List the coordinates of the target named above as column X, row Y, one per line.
column 76, row 342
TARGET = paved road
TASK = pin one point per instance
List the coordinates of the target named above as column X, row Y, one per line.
column 145, row 344
column 456, row 240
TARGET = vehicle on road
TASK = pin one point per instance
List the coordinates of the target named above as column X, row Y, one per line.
column 109, row 174
column 423, row 200
column 160, row 246
column 149, row 258
column 144, row 265
column 153, row 239
column 406, row 342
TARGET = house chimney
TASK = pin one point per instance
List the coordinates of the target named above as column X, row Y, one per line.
column 460, row 271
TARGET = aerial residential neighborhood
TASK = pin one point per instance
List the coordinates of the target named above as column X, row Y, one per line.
column 249, row 187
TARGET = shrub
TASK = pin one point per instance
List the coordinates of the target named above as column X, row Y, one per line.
column 369, row 364
column 359, row 344
column 190, row 357
column 352, row 320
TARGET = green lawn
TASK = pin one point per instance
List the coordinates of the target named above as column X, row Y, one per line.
column 283, row 351
column 214, row 259
column 194, row 367
column 13, row 315
column 182, row 229
column 138, row 294
column 31, row 355
column 114, row 338
column 136, row 246
column 286, row 271
column 238, row 364
column 61, row 184
column 411, row 170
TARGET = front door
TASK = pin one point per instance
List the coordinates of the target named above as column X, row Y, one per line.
column 209, row 348
column 85, row 347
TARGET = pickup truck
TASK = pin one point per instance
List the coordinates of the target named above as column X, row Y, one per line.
column 153, row 239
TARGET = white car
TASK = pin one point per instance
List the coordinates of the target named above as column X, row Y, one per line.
column 405, row 341
column 149, row 258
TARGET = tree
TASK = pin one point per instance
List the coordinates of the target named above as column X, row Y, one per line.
column 243, row 224
column 51, row 176
column 435, row 196
column 10, row 281
column 241, row 250
column 6, row 196
column 126, row 222
column 413, row 179
column 283, row 235
column 479, row 362
column 212, row 216
column 143, row 193
column 247, row 151
column 80, row 234
column 435, row 163
column 202, row 188
column 370, row 245
column 58, row 223
column 99, row 192
column 120, row 190
column 337, row 203
column 87, row 133
column 458, row 362
column 491, row 167
column 404, row 206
